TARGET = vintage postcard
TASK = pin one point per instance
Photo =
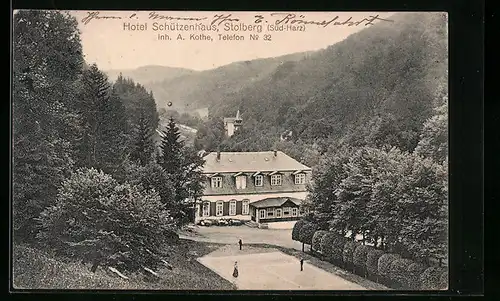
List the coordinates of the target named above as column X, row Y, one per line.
column 226, row 150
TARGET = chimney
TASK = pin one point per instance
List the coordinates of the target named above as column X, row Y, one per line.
column 275, row 153
column 218, row 155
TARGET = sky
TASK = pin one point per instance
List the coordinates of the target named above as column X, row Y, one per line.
column 108, row 40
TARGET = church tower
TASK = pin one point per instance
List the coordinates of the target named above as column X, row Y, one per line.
column 232, row 124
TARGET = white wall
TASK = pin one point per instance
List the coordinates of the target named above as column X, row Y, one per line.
column 254, row 197
column 230, row 129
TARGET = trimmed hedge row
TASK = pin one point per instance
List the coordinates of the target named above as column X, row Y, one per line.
column 338, row 248
column 431, row 279
column 359, row 258
column 372, row 261
column 296, row 229
column 306, row 233
column 348, row 252
column 327, row 243
column 316, row 240
column 387, row 268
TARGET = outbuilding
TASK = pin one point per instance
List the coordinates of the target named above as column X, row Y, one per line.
column 277, row 212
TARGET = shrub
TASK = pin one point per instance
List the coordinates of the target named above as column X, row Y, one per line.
column 338, row 248
column 384, row 263
column 296, row 229
column 372, row 260
column 430, row 279
column 348, row 251
column 360, row 254
column 95, row 219
column 327, row 243
column 306, row 233
column 414, row 271
column 316, row 240
column 399, row 271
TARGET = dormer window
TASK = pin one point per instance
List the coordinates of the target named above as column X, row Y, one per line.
column 259, row 180
column 216, row 182
column 276, row 180
column 241, row 182
column 300, row 178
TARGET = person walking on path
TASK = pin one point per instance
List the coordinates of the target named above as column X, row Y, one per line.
column 301, row 264
column 235, row 271
column 240, row 243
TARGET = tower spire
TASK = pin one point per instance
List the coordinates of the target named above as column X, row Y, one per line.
column 238, row 115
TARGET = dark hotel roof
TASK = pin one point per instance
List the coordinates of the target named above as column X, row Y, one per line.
column 275, row 202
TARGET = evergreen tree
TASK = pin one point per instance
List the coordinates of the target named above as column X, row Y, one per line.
column 112, row 148
column 47, row 60
column 143, row 147
column 103, row 143
column 142, row 118
column 171, row 148
column 183, row 165
column 94, row 95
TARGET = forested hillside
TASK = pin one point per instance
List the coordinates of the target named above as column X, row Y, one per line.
column 376, row 87
column 191, row 90
column 149, row 74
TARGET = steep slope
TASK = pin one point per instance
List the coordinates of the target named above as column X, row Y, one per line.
column 204, row 89
column 390, row 71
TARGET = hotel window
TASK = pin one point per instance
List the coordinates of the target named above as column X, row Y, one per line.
column 278, row 212
column 270, row 212
column 216, row 182
column 206, row 209
column 241, row 182
column 262, row 213
column 294, row 211
column 259, row 180
column 300, row 178
column 276, row 180
column 219, row 208
column 232, row 208
column 287, row 211
column 245, row 207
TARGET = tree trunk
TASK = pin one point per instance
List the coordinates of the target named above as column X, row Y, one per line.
column 302, row 247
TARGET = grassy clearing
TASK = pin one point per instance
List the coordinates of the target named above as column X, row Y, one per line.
column 36, row 269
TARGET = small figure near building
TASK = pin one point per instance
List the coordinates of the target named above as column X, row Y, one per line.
column 301, row 264
column 240, row 243
column 235, row 271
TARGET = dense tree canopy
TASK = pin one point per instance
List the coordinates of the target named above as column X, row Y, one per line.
column 47, row 61
column 85, row 178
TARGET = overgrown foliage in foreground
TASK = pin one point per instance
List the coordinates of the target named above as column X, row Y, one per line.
column 89, row 181
column 95, row 219
column 36, row 269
